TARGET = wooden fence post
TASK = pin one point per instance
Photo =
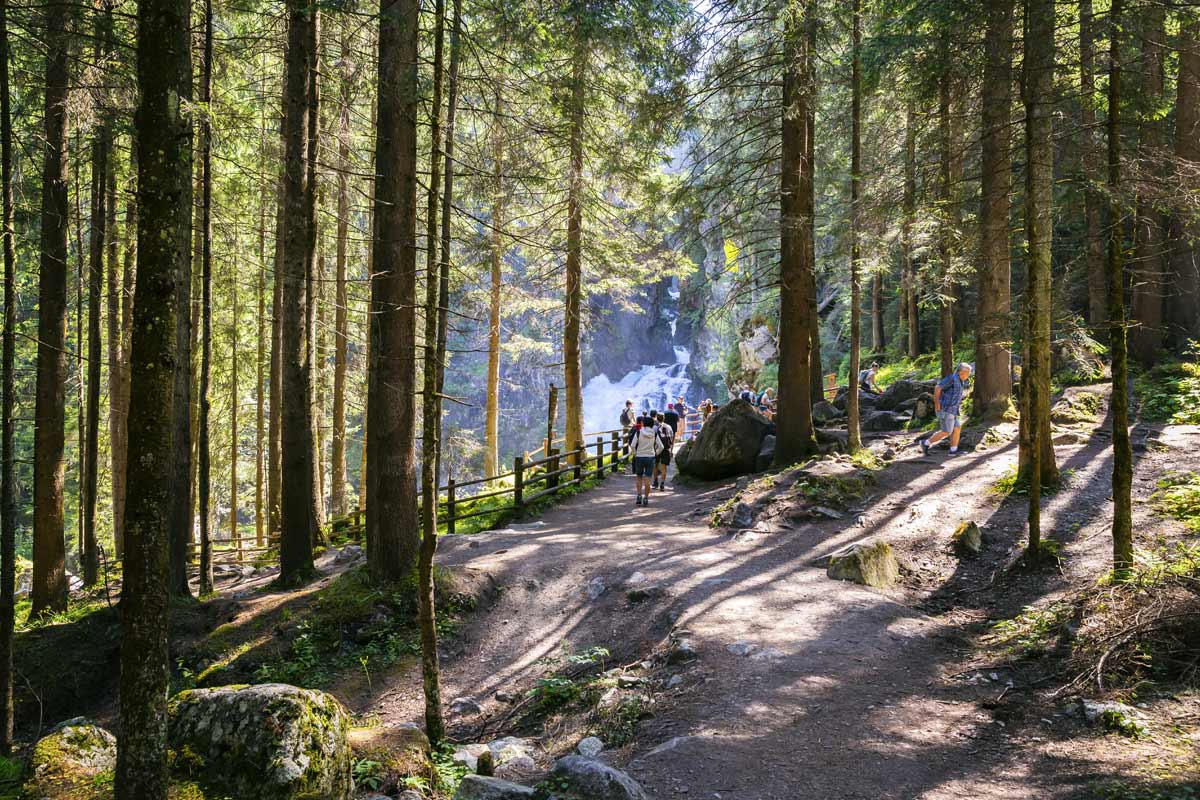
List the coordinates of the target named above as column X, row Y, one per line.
column 599, row 456
column 518, row 483
column 450, row 506
column 615, row 459
column 579, row 456
column 553, row 464
column 551, row 416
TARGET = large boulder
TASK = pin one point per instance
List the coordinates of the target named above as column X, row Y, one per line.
column 400, row 751
column 766, row 454
column 868, row 563
column 481, row 787
column 728, row 444
column 866, row 400
column 832, row 441
column 71, row 761
column 921, row 407
column 824, row 412
column 270, row 742
column 900, row 391
column 589, row 779
column 883, row 421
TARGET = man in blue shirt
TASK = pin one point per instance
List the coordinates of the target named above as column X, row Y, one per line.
column 947, row 401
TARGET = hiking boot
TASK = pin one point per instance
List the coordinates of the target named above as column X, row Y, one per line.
column 924, row 447
column 646, row 500
column 956, row 452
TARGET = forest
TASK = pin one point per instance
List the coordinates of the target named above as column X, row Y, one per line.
column 320, row 319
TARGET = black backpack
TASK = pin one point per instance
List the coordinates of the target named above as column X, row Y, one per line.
column 666, row 435
column 627, row 418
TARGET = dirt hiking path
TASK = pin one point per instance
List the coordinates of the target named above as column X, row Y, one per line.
column 803, row 686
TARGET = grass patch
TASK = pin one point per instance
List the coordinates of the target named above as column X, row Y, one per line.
column 1170, row 392
column 1032, row 633
column 1178, row 496
column 1011, row 482
column 866, row 459
column 831, row 490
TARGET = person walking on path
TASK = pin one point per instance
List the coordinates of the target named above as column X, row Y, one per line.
column 947, row 401
column 628, row 418
column 666, row 433
column 646, row 445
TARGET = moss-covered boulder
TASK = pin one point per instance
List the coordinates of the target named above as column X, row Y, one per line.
column 269, row 742
column 482, row 787
column 868, row 563
column 401, row 752
column 967, row 539
column 75, row 761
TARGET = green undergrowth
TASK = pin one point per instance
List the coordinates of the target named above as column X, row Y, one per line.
column 1170, row 391
column 1011, row 482
column 1133, row 635
column 1178, row 496
column 12, row 773
column 349, row 626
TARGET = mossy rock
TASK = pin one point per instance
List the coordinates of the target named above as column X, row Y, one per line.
column 869, row 563
column 75, row 761
column 400, row 752
column 267, row 742
column 1079, row 405
column 967, row 539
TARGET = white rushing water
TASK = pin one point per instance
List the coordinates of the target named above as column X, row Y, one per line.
column 649, row 386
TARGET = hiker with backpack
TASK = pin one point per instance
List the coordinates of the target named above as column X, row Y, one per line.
column 666, row 434
column 645, row 445
column 628, row 418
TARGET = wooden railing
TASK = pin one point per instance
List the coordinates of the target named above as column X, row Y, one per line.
column 534, row 476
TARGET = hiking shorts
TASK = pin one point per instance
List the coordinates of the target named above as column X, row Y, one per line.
column 643, row 466
column 664, row 457
column 948, row 421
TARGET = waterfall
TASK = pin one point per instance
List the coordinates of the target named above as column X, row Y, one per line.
column 649, row 386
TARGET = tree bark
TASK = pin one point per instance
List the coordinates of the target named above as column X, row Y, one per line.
column 910, row 210
column 1038, row 86
column 431, row 406
column 491, row 445
column 260, row 356
column 97, row 249
column 993, row 384
column 1122, row 476
column 1184, row 299
column 235, row 533
column 48, row 592
column 337, row 472
column 796, row 311
column 392, row 513
column 274, row 426
column 1148, row 288
column 184, row 408
column 854, row 438
column 313, row 269
column 1093, row 201
column 204, row 465
column 572, row 367
column 8, row 488
column 164, row 202
column 298, row 511
column 945, row 202
column 120, row 402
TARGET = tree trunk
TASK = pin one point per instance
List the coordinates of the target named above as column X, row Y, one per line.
column 430, row 405
column 235, row 534
column 1038, row 80
column 298, row 512
column 1184, row 299
column 8, row 489
column 164, row 202
column 945, row 202
column 120, row 402
column 113, row 336
column 260, row 356
column 491, row 445
column 274, row 423
column 97, row 249
column 796, row 311
column 1146, row 299
column 392, row 512
column 1122, row 476
column 337, row 471
column 1093, row 201
column 816, row 378
column 572, row 368
column 993, row 383
column 185, row 426
column 878, row 337
column 313, row 268
column 48, row 592
column 204, row 453
column 910, row 211
column 854, row 438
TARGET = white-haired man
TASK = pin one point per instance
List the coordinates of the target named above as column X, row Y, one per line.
column 947, row 402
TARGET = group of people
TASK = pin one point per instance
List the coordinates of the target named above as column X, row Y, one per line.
column 764, row 401
column 651, row 437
